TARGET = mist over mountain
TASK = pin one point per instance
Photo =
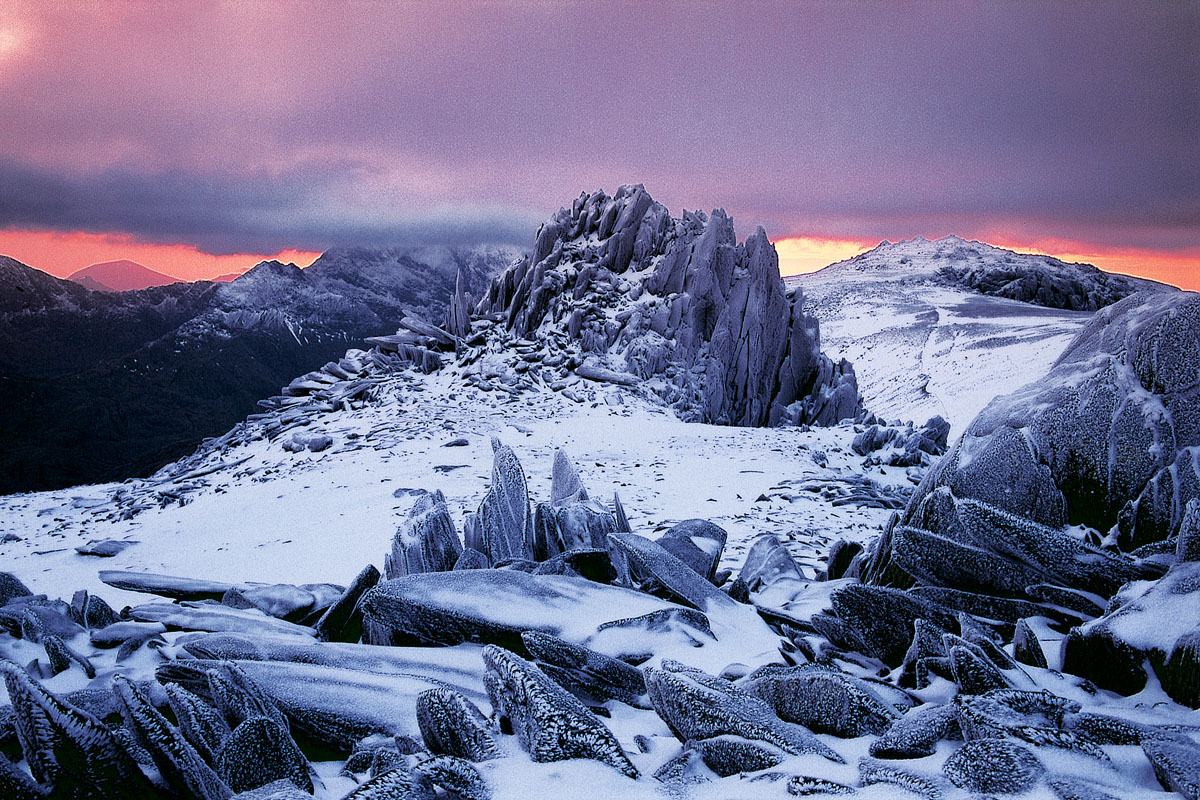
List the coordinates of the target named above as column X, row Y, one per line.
column 105, row 386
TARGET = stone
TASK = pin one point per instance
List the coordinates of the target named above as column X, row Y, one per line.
column 497, row 606
column 459, row 777
column 767, row 561
column 425, row 541
column 69, row 749
column 697, row 543
column 822, row 699
column 731, row 755
column 166, row 585
column 500, row 530
column 342, row 621
column 884, row 618
column 395, row 784
column 872, row 771
column 1026, row 647
column 260, row 751
column 181, row 766
column 916, row 734
column 452, row 725
column 601, row 677
column 1176, row 765
column 699, row 706
column 550, row 723
column 10, row 587
column 994, row 765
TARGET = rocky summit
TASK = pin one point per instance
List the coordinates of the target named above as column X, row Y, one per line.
column 622, row 292
column 505, row 551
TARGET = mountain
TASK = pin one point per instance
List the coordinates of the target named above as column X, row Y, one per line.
column 103, row 386
column 429, row 545
column 941, row 327
column 119, row 276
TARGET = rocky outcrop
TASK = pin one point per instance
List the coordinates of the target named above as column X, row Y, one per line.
column 619, row 291
column 1107, row 442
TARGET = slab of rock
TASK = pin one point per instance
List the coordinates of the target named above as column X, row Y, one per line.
column 166, row 585
column 824, row 700
column 550, row 723
column 699, row 706
column 697, row 543
column 497, row 606
column 426, row 540
column 342, row 621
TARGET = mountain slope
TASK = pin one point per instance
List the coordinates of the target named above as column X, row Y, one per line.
column 119, row 276
column 942, row 327
column 106, row 386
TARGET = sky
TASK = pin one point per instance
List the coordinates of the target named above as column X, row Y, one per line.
column 197, row 138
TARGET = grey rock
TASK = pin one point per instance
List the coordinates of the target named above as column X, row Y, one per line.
column 457, row 776
column 1176, row 765
column 67, row 748
column 698, row 706
column 767, row 560
column 426, row 540
column 822, row 699
column 500, row 530
column 202, row 726
column 396, row 784
column 166, row 585
column 600, row 676
column 697, row 543
column 180, row 765
column 10, row 587
column 916, row 734
column 342, row 621
column 872, row 771
column 550, row 723
column 1026, row 647
column 884, row 619
column 452, row 725
column 260, row 751
column 994, row 765
column 731, row 755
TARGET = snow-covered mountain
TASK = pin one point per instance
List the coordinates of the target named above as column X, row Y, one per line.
column 190, row 359
column 941, row 327
column 637, row 605
column 119, row 276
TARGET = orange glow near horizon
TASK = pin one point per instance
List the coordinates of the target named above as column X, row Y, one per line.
column 800, row 254
column 62, row 254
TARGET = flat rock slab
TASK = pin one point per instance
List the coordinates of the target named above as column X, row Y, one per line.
column 497, row 606
column 104, row 549
column 165, row 585
column 216, row 619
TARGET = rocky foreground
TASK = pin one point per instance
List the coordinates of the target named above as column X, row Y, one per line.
column 1026, row 624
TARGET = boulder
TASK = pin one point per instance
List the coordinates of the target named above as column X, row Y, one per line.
column 994, row 765
column 549, row 722
column 425, row 541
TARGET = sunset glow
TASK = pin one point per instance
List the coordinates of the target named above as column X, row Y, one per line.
column 62, row 254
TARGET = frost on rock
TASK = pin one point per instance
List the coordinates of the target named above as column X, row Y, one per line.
column 67, row 748
column 617, row 291
column 994, row 765
column 260, row 751
column 550, row 723
column 823, row 700
column 699, row 706
column 426, row 540
column 500, row 530
column 452, row 725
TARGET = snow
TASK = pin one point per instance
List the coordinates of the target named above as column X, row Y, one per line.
column 921, row 346
column 280, row 517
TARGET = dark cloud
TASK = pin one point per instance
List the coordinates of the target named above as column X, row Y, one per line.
column 234, row 126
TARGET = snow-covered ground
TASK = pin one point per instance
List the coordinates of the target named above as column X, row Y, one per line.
column 921, row 346
column 298, row 518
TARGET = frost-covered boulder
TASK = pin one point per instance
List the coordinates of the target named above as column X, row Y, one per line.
column 1150, row 623
column 697, row 706
column 550, row 723
column 452, row 725
column 501, row 528
column 675, row 307
column 1106, row 440
column 426, row 540
column 697, row 543
column 497, row 606
column 994, row 765
column 822, row 699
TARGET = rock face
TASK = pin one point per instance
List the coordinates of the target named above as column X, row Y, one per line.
column 1108, row 440
column 677, row 307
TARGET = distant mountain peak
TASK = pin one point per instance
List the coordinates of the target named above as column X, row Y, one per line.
column 120, row 276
